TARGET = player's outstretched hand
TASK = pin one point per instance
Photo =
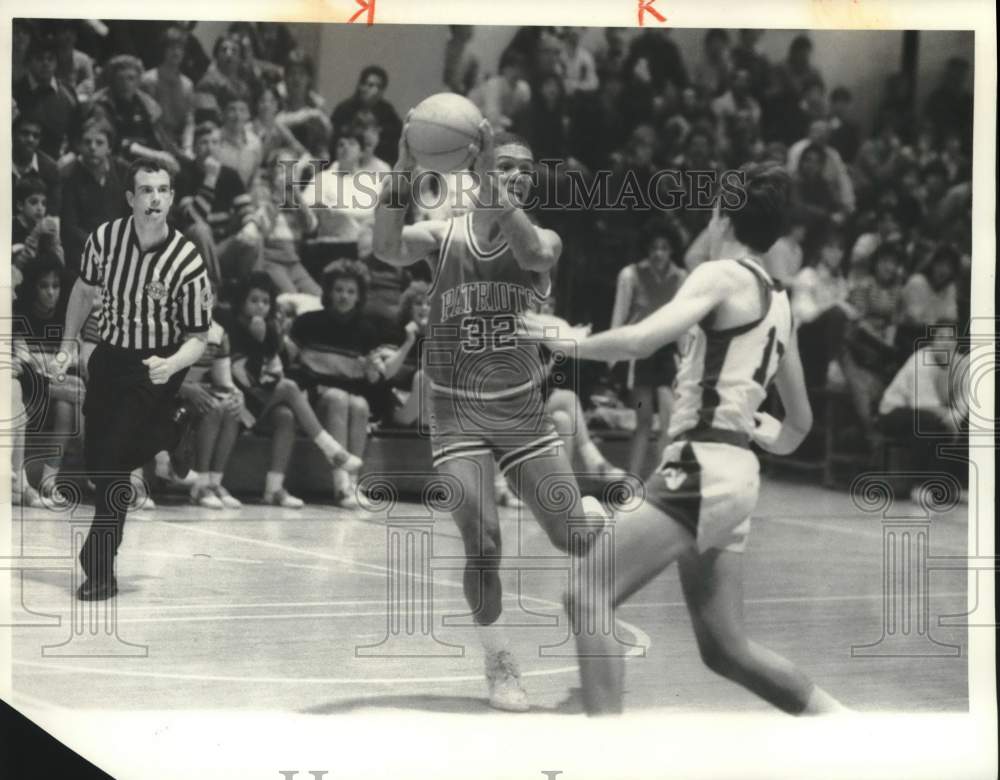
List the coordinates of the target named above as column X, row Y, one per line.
column 160, row 369
column 766, row 431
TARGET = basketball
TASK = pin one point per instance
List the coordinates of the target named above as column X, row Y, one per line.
column 440, row 130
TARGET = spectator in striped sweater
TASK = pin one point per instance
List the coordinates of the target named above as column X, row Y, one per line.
column 218, row 211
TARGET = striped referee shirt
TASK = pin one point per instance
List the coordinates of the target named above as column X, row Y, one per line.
column 152, row 297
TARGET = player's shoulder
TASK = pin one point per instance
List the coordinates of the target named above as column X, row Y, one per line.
column 725, row 274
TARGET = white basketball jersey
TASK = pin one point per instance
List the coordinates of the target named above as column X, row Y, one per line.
column 724, row 374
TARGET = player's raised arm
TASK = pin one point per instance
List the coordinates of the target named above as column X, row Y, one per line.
column 784, row 437
column 393, row 241
column 706, row 287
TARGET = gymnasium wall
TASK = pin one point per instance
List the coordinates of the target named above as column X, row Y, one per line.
column 413, row 55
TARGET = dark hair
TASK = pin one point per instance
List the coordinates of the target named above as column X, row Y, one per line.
column 223, row 39
column 258, row 280
column 349, row 131
column 103, row 125
column 44, row 264
column 204, row 128
column 145, row 165
column 375, row 70
column 25, row 119
column 297, row 58
column 934, row 168
column 28, row 185
column 172, row 36
column 229, row 98
column 505, row 137
column 40, row 45
column 344, row 268
column 760, row 221
column 512, row 57
column 417, row 290
column 840, row 93
column 800, row 43
column 657, row 228
column 888, row 249
column 813, row 149
column 946, row 253
column 123, row 61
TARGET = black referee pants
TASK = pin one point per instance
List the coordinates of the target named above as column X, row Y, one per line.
column 128, row 420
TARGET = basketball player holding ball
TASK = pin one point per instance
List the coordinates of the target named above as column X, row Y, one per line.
column 486, row 406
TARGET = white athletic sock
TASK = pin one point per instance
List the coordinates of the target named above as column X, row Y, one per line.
column 273, row 482
column 493, row 637
column 341, row 481
column 329, row 445
column 162, row 464
column 201, row 480
column 499, row 482
column 215, row 478
column 49, row 472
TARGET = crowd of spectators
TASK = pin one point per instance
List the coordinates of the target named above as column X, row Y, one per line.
column 877, row 249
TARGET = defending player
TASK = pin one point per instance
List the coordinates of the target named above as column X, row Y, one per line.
column 490, row 264
column 735, row 329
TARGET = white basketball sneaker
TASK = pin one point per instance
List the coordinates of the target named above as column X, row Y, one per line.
column 504, row 679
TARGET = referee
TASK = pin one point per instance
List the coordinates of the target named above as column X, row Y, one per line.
column 155, row 313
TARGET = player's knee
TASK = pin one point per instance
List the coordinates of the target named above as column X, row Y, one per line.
column 717, row 656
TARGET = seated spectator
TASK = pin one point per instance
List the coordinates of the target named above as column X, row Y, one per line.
column 788, row 84
column 275, row 403
column 711, row 74
column 832, row 166
column 217, row 404
column 136, row 117
column 39, row 312
column 93, row 189
column 887, row 232
column 402, row 365
column 737, row 98
column 367, row 125
column 347, row 221
column 239, row 147
column 268, row 42
column 286, row 221
column 40, row 96
column 955, row 160
column 812, row 194
column 369, row 95
column 943, row 203
column 820, row 309
column 505, row 97
column 27, row 159
column 33, row 232
column 546, row 124
column 74, row 68
column 929, row 296
column 870, row 356
column 270, row 127
column 878, row 160
column 461, row 65
column 335, row 365
column 642, row 288
column 579, row 68
column 845, row 134
column 217, row 211
column 924, row 408
column 229, row 76
column 655, row 61
column 23, row 32
column 172, row 90
column 746, row 56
